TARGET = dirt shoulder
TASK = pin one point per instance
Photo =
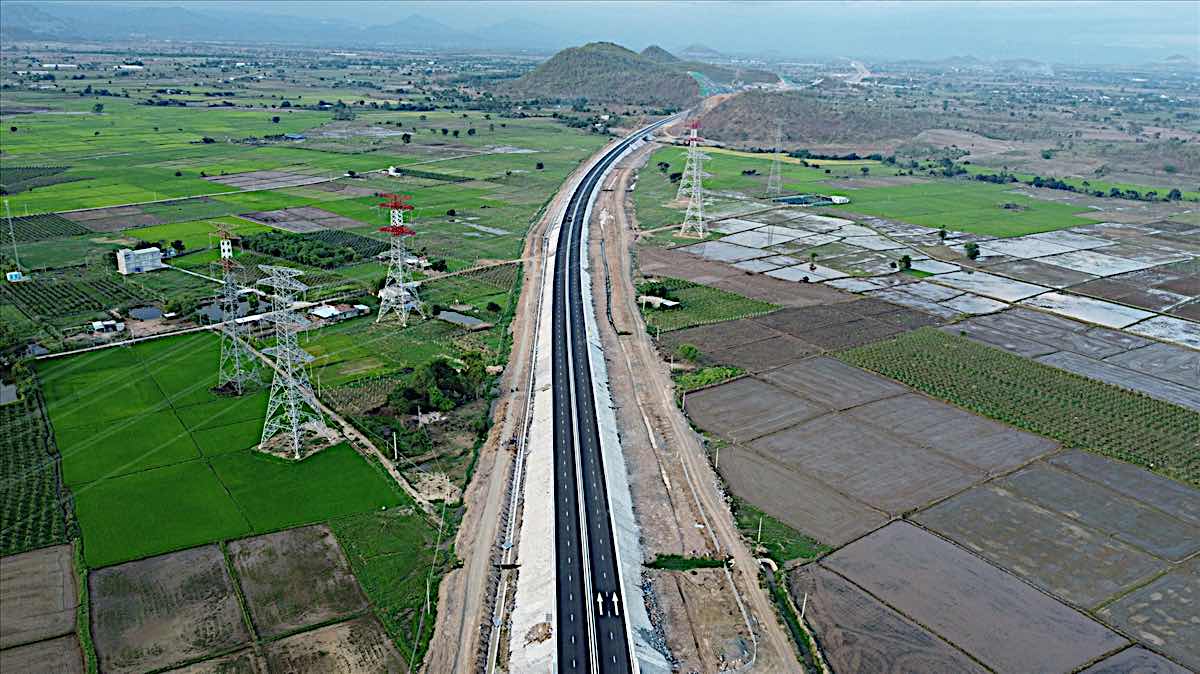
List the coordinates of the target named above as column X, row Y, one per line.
column 465, row 597
column 717, row 619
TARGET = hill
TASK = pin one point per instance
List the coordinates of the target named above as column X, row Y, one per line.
column 659, row 55
column 608, row 73
column 699, row 51
column 813, row 120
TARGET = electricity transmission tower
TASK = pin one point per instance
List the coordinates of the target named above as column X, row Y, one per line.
column 293, row 405
column 399, row 292
column 691, row 186
column 238, row 366
column 775, row 180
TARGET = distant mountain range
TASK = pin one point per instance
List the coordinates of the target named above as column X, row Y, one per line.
column 81, row 21
column 609, row 73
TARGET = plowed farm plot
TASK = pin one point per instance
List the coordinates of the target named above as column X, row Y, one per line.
column 39, row 596
column 356, row 646
column 764, row 355
column 795, row 498
column 295, row 578
column 54, row 656
column 716, row 336
column 1164, row 613
column 969, row 602
column 859, row 634
column 747, row 408
column 982, row 443
column 152, row 613
column 1081, row 565
column 834, row 384
column 866, row 463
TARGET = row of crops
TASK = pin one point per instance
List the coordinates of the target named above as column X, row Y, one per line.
column 16, row 179
column 698, row 305
column 1076, row 411
column 363, row 246
column 50, row 297
column 29, row 228
column 31, row 508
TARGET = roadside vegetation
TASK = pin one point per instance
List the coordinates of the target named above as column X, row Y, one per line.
column 775, row 539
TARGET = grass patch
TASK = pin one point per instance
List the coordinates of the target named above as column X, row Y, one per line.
column 779, row 541
column 682, row 563
column 964, row 206
column 398, row 562
column 698, row 305
column 1074, row 410
column 706, row 376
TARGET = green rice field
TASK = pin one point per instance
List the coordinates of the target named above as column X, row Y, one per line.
column 158, row 463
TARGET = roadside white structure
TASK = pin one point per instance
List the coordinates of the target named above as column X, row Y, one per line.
column 138, row 261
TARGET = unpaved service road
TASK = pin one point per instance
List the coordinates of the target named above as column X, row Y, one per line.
column 704, row 615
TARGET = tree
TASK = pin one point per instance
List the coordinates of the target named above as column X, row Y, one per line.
column 98, row 108
column 905, row 262
column 178, row 174
column 275, row 119
column 540, row 166
column 972, row 250
column 454, row 133
column 663, row 166
column 445, row 131
column 493, row 307
column 471, row 131
column 1174, row 195
column 177, row 244
column 865, row 170
column 452, row 212
column 812, row 261
column 406, row 137
column 942, row 234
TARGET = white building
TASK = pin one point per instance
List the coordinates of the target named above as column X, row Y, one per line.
column 138, row 261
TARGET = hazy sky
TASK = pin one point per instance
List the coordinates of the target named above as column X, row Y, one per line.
column 1068, row 32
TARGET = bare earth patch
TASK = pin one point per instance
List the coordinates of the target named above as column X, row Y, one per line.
column 295, row 578
column 39, row 597
column 354, row 647
column 155, row 612
column 56, row 656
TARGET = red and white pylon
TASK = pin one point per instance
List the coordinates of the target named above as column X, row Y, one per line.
column 399, row 293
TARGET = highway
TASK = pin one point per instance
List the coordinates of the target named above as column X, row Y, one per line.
column 591, row 631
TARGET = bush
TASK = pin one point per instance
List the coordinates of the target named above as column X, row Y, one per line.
column 688, row 352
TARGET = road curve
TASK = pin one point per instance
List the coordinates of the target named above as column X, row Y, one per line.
column 591, row 634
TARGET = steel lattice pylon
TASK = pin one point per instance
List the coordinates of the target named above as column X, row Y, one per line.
column 775, row 180
column 691, row 187
column 238, row 366
column 399, row 293
column 293, row 404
